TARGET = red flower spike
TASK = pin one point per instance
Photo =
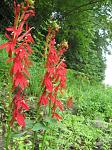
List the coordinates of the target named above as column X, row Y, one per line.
column 55, row 76
column 18, row 45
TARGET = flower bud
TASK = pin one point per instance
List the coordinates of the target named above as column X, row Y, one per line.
column 64, row 44
column 56, row 27
column 31, row 2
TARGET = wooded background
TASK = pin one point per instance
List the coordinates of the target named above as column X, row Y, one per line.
column 86, row 24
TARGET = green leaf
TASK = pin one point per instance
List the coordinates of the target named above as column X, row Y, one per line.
column 19, row 135
column 29, row 123
column 50, row 120
column 38, row 126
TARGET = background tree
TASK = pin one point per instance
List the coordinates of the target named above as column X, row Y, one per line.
column 86, row 25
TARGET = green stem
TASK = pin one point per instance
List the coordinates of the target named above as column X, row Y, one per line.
column 8, row 135
column 34, row 140
column 44, row 136
column 8, row 113
column 49, row 108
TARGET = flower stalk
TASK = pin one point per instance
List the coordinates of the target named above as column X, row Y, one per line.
column 55, row 75
column 18, row 48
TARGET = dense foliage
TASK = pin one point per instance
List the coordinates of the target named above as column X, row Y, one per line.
column 86, row 106
column 86, row 25
column 87, row 124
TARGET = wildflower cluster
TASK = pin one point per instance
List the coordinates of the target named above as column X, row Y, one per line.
column 55, row 76
column 18, row 48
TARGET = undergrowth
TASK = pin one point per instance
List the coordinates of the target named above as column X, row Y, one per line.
column 87, row 125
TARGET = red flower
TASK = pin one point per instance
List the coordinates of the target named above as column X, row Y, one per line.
column 24, row 105
column 19, row 101
column 59, row 104
column 48, row 82
column 57, row 116
column 55, row 76
column 17, row 66
column 20, row 80
column 20, row 119
column 69, row 102
column 21, row 52
column 19, row 104
column 51, row 97
column 43, row 99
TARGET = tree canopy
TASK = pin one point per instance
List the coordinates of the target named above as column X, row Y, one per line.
column 85, row 24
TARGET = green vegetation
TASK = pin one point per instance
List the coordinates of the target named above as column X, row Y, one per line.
column 85, row 24
column 87, row 123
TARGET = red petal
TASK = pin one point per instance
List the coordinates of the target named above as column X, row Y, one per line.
column 48, row 83
column 58, row 117
column 8, row 48
column 69, row 102
column 19, row 79
column 26, row 72
column 18, row 103
column 4, row 45
column 25, row 34
column 9, row 60
column 62, row 51
column 29, row 48
column 7, row 36
column 59, row 104
column 17, row 66
column 20, row 120
column 19, row 30
column 27, row 27
column 30, row 39
column 26, row 17
column 52, row 98
column 21, row 52
column 10, row 29
column 27, row 62
column 43, row 100
column 24, row 105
